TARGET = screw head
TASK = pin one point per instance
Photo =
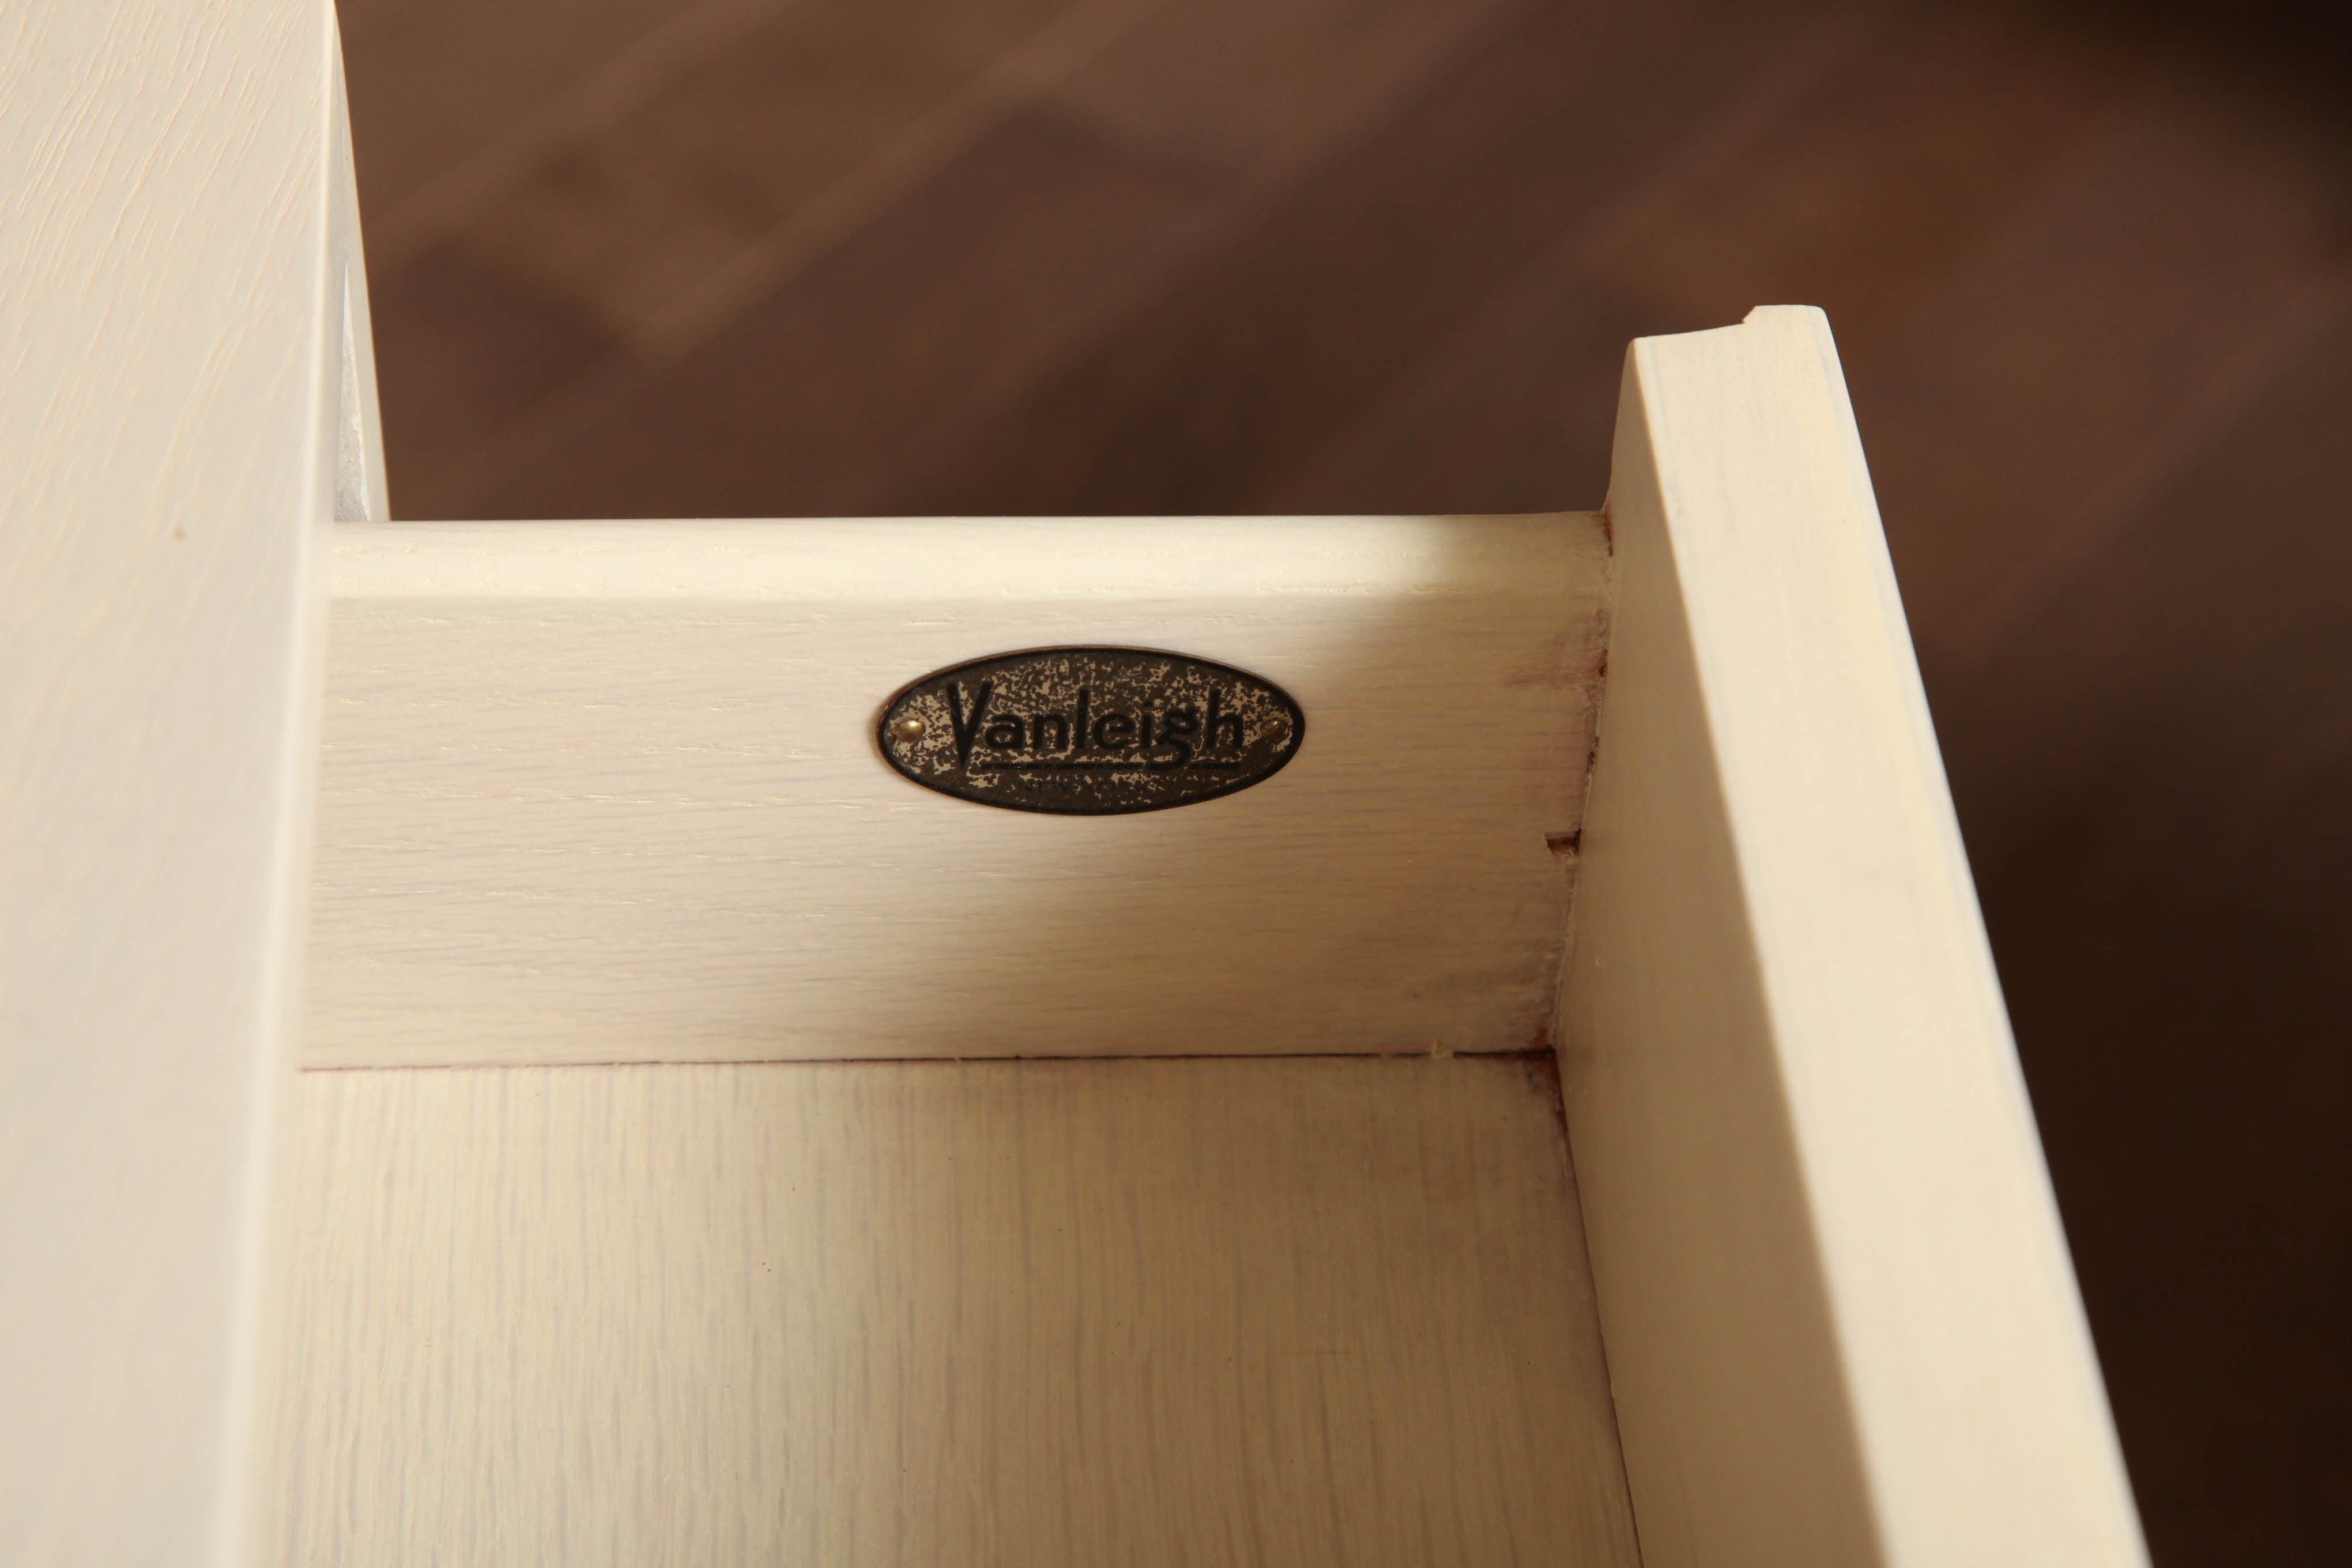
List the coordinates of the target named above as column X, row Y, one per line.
column 907, row 729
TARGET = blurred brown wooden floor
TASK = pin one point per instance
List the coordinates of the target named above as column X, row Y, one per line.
column 2094, row 288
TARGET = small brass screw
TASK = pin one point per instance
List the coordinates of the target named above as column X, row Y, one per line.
column 908, row 729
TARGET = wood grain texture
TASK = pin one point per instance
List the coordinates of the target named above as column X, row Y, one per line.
column 175, row 231
column 1841, row 1320
column 1202, row 396
column 662, row 202
column 2237, row 234
column 1052, row 1313
column 2185, row 895
column 609, row 793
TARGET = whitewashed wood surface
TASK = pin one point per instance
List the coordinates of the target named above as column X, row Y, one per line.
column 1841, row 1319
column 176, row 228
column 1058, row 1314
column 609, row 791
column 606, row 792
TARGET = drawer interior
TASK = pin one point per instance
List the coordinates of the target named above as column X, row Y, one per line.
column 1272, row 1310
column 720, row 1149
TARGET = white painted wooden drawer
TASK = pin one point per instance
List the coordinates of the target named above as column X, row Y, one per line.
column 677, row 1171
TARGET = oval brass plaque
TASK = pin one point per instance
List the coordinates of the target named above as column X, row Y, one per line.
column 1091, row 731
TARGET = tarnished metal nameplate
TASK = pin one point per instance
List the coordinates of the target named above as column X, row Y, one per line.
column 1091, row 731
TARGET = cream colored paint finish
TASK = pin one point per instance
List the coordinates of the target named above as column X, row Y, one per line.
column 609, row 791
column 1840, row 1315
column 176, row 225
column 602, row 792
column 1243, row 1311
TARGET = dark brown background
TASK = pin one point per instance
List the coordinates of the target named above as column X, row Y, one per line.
column 2090, row 267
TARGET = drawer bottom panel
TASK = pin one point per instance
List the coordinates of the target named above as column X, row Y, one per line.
column 1208, row 1310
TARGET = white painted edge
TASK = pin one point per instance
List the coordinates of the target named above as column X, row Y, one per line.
column 920, row 560
column 170, row 318
column 1840, row 1318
